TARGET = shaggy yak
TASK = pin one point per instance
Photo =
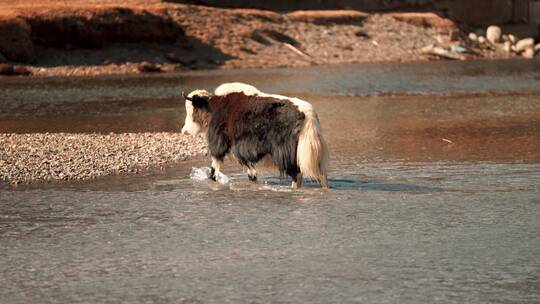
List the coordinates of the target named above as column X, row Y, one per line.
column 252, row 125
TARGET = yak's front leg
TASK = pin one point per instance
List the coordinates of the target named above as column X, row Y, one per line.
column 252, row 174
column 216, row 167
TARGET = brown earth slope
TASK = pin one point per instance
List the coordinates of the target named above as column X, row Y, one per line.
column 101, row 37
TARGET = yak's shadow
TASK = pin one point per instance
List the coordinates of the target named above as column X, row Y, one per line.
column 350, row 184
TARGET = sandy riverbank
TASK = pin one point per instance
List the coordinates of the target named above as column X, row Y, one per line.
column 61, row 156
column 112, row 37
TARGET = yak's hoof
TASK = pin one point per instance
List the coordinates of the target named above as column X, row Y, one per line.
column 213, row 174
column 252, row 178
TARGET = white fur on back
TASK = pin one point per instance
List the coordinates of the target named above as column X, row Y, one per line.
column 235, row 87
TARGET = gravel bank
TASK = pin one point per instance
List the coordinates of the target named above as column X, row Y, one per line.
column 27, row 158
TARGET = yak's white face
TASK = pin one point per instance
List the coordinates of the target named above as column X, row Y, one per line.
column 192, row 123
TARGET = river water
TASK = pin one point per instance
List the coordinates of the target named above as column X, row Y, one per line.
column 435, row 195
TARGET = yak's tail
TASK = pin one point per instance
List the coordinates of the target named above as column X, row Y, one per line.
column 312, row 152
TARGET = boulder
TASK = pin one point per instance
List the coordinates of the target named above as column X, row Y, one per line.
column 528, row 53
column 524, row 44
column 493, row 34
column 16, row 40
column 507, row 46
column 512, row 38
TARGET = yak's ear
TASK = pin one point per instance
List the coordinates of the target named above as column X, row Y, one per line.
column 200, row 101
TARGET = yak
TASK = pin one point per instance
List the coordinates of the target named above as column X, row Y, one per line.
column 255, row 126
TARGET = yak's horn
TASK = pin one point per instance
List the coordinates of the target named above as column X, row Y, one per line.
column 186, row 97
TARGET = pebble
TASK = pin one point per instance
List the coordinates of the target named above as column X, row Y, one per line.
column 62, row 156
column 482, row 39
column 493, row 34
column 473, row 37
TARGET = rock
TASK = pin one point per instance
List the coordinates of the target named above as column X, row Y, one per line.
column 21, row 70
column 512, row 38
column 147, row 67
column 16, row 40
column 473, row 37
column 6, row 69
column 428, row 20
column 482, row 40
column 328, row 16
column 507, row 46
column 504, row 38
column 523, row 44
column 528, row 53
column 493, row 34
column 537, row 48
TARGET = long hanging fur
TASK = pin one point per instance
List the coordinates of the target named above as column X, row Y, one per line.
column 312, row 152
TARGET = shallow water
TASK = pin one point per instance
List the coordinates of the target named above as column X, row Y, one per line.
column 433, row 199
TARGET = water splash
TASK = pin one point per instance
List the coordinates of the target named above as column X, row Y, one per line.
column 203, row 173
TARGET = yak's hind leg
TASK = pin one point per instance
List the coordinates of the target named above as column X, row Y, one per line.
column 297, row 181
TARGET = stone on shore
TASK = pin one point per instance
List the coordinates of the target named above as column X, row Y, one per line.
column 524, row 44
column 493, row 34
column 482, row 40
column 528, row 53
column 507, row 46
column 473, row 37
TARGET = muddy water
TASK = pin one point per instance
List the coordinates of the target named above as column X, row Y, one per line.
column 434, row 198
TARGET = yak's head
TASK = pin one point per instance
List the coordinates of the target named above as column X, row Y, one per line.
column 197, row 112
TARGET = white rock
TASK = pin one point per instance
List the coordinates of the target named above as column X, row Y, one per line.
column 512, row 38
column 507, row 46
column 473, row 37
column 537, row 48
column 528, row 53
column 504, row 38
column 482, row 39
column 493, row 34
column 524, row 44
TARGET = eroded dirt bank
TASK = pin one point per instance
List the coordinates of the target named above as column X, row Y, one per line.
column 103, row 37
